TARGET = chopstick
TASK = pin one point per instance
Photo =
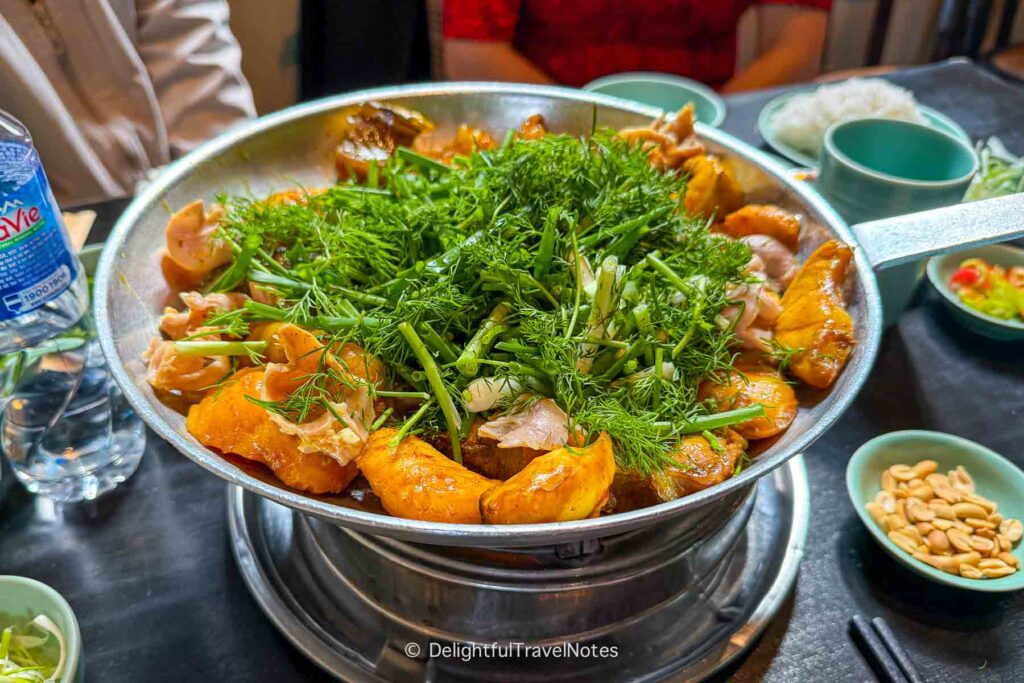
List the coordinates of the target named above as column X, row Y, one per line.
column 884, row 666
column 892, row 644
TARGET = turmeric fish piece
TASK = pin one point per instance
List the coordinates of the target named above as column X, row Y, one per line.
column 712, row 188
column 563, row 485
column 700, row 465
column 814, row 318
column 760, row 384
column 226, row 420
column 763, row 219
column 416, row 481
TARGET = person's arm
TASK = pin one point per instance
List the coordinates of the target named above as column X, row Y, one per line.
column 486, row 60
column 478, row 37
column 796, row 51
column 195, row 64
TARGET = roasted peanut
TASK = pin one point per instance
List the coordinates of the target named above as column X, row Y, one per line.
column 982, row 502
column 918, row 511
column 960, row 480
column 942, row 521
column 893, row 522
column 969, row 510
column 991, row 563
column 967, row 558
column 942, row 509
column 942, row 488
column 979, row 523
column 876, row 511
column 997, row 572
column 1010, row 559
column 1012, row 529
column 938, row 543
column 922, row 491
column 982, row 545
column 970, row 572
column 903, row 541
column 887, row 501
column 944, row 563
column 959, row 539
column 911, row 532
column 918, row 471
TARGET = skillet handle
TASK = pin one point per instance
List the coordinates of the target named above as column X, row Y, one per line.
column 902, row 239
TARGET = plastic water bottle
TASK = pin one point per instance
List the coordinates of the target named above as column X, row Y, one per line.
column 66, row 428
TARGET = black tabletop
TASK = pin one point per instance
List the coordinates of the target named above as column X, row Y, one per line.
column 150, row 575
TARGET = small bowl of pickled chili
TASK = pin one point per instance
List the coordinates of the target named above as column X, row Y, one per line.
column 984, row 288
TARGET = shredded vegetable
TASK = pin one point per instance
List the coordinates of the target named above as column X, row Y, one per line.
column 989, row 288
column 31, row 650
column 1001, row 172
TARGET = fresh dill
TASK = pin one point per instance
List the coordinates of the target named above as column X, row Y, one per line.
column 564, row 263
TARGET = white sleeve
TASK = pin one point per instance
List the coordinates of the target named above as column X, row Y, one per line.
column 195, row 64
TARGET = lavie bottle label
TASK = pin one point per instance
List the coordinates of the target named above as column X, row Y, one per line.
column 36, row 263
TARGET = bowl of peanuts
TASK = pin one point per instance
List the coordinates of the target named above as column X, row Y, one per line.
column 947, row 508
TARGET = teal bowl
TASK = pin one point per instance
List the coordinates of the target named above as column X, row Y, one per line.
column 663, row 91
column 995, row 478
column 941, row 268
column 766, row 127
column 19, row 595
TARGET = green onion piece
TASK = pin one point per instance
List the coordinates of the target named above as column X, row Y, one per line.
column 719, row 420
column 220, row 348
column 438, row 344
column 264, row 278
column 601, row 312
column 422, row 162
column 634, row 350
column 360, row 189
column 402, row 394
column 381, row 419
column 667, row 272
column 411, row 422
column 506, row 142
column 361, row 297
column 468, row 363
column 233, row 275
column 546, row 248
column 659, row 361
column 444, row 399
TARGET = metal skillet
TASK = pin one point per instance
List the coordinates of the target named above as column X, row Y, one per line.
column 295, row 146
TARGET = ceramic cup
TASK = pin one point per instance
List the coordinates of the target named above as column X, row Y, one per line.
column 664, row 91
column 876, row 168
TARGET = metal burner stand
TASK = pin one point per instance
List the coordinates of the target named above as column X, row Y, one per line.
column 680, row 600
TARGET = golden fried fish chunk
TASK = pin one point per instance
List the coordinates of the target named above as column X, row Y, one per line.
column 563, row 485
column 416, row 481
column 763, row 219
column 700, row 465
column 747, row 387
column 814, row 318
column 226, row 420
column 712, row 188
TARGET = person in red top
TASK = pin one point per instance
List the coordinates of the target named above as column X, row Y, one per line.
column 575, row 41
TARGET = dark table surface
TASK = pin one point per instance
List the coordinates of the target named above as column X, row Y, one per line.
column 150, row 575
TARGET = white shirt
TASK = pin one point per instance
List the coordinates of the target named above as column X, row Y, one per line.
column 112, row 88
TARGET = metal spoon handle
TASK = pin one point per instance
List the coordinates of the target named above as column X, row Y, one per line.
column 901, row 239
